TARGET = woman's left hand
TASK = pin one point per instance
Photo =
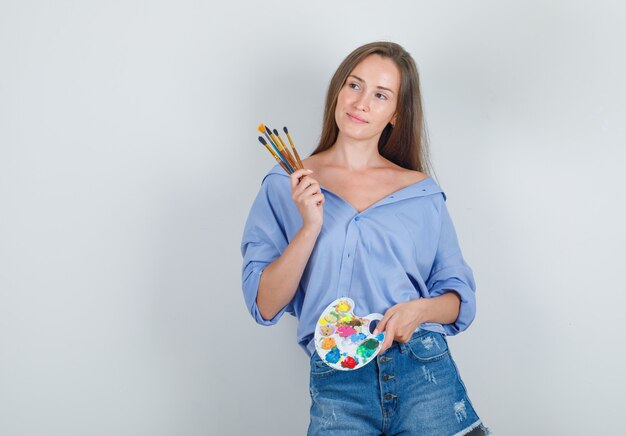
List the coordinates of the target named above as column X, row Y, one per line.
column 401, row 321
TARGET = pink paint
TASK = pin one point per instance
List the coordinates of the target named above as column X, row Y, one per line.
column 345, row 330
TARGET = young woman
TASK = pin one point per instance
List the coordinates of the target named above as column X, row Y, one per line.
column 366, row 220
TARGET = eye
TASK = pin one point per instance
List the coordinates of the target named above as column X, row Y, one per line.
column 353, row 85
column 381, row 96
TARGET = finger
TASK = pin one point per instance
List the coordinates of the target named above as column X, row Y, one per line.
column 389, row 336
column 306, row 189
column 297, row 175
column 380, row 327
column 317, row 199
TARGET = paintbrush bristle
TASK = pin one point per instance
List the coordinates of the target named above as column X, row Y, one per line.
column 269, row 132
column 262, row 140
column 285, row 130
column 261, row 128
column 275, row 132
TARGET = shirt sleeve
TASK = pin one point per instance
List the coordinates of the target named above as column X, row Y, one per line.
column 450, row 272
column 263, row 241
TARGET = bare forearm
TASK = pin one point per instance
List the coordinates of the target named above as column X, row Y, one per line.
column 280, row 279
column 443, row 309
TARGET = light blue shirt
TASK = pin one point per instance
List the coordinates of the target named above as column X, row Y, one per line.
column 401, row 248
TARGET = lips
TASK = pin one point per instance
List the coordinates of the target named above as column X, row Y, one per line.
column 356, row 119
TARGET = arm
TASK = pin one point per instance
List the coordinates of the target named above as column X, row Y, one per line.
column 443, row 309
column 279, row 281
column 273, row 267
column 401, row 320
column 451, row 291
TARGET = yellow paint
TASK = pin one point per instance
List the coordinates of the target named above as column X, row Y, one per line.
column 331, row 318
column 322, row 321
column 343, row 306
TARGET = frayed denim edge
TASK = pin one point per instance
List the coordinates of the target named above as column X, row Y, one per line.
column 472, row 427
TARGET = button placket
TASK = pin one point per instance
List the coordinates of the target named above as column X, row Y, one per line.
column 347, row 262
column 388, row 384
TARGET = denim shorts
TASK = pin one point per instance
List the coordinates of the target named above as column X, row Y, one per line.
column 414, row 388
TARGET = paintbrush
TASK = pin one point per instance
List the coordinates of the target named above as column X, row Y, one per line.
column 273, row 153
column 263, row 129
column 284, row 151
column 282, row 143
column 293, row 147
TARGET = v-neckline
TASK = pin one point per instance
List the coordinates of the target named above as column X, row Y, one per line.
column 374, row 204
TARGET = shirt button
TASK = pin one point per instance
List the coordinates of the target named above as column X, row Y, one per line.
column 356, row 219
column 388, row 396
column 386, row 377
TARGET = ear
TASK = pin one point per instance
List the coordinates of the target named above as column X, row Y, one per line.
column 393, row 120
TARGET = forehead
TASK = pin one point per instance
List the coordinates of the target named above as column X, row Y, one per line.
column 376, row 71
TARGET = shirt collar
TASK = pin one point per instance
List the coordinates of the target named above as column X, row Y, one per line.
column 425, row 187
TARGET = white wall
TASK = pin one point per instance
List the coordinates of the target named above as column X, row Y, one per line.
column 129, row 159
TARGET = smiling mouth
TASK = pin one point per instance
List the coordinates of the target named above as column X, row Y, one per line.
column 357, row 119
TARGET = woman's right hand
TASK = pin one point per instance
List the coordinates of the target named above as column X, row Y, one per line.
column 307, row 195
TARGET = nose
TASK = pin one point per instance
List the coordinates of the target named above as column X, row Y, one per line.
column 362, row 103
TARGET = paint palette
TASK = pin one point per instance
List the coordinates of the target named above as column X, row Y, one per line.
column 343, row 340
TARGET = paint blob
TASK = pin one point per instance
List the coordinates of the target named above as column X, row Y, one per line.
column 332, row 317
column 349, row 362
column 345, row 330
column 328, row 343
column 333, row 355
column 343, row 306
column 326, row 330
column 367, row 348
column 357, row 337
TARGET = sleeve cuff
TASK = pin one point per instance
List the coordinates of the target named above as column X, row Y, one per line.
column 467, row 310
column 251, row 289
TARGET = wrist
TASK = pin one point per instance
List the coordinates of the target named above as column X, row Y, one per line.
column 423, row 308
column 310, row 230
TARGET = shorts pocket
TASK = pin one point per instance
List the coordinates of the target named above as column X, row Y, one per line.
column 319, row 368
column 428, row 347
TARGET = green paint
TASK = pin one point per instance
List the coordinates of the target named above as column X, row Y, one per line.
column 367, row 348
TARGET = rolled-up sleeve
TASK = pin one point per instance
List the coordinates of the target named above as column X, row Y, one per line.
column 263, row 241
column 450, row 272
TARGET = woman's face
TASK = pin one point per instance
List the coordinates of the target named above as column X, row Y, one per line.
column 368, row 99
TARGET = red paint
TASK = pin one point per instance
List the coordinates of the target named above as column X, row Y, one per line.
column 348, row 362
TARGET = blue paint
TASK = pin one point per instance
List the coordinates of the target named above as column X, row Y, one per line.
column 380, row 337
column 357, row 337
column 333, row 355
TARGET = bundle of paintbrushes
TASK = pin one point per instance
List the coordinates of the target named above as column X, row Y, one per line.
column 277, row 147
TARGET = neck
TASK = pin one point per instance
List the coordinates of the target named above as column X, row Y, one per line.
column 355, row 155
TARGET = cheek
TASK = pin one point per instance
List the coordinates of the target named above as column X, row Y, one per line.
column 387, row 112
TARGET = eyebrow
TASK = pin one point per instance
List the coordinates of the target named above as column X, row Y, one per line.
column 379, row 87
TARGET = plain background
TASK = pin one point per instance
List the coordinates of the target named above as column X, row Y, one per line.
column 129, row 161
